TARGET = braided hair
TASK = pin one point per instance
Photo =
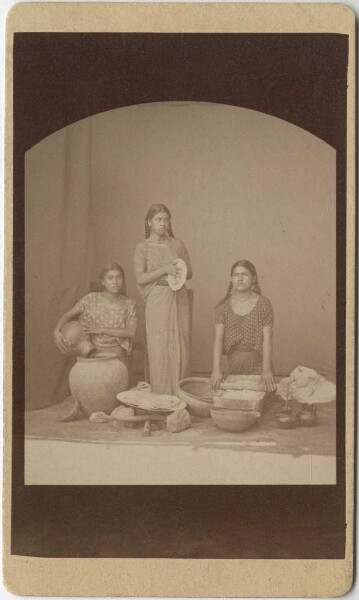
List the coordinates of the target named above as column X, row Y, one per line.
column 251, row 268
column 112, row 266
column 154, row 210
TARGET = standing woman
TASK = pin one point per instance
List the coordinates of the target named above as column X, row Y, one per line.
column 166, row 311
column 244, row 323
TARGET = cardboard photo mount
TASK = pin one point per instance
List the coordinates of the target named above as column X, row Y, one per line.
column 27, row 575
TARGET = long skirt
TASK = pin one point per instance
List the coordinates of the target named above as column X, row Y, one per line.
column 244, row 362
column 168, row 338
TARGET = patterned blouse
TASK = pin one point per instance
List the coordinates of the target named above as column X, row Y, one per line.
column 245, row 330
column 98, row 311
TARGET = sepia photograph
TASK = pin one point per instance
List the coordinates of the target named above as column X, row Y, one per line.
column 180, row 300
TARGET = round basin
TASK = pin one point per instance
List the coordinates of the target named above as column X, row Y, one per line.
column 234, row 420
column 198, row 396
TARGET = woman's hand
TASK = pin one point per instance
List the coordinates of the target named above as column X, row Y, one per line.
column 216, row 379
column 268, row 380
column 173, row 269
column 62, row 344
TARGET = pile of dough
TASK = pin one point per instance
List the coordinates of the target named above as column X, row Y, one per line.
column 306, row 386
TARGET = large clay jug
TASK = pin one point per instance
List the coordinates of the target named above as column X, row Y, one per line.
column 94, row 382
column 73, row 332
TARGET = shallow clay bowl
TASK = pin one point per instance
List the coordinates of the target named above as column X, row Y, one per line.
column 197, row 395
column 234, row 420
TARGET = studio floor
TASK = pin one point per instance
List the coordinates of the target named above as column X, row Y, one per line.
column 84, row 453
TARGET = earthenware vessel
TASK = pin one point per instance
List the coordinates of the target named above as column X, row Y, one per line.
column 74, row 334
column 285, row 419
column 198, row 396
column 234, row 420
column 94, row 382
column 307, row 416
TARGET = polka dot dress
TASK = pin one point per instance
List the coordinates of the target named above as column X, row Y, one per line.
column 246, row 330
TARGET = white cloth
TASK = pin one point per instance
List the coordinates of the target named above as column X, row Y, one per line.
column 307, row 387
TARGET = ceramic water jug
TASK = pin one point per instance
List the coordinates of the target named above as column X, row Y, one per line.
column 94, row 382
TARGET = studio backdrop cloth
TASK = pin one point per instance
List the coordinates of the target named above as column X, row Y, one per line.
column 239, row 184
column 58, row 253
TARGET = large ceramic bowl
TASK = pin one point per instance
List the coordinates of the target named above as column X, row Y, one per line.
column 198, row 396
column 234, row 420
column 94, row 382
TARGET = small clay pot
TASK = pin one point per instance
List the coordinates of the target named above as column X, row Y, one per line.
column 285, row 419
column 307, row 416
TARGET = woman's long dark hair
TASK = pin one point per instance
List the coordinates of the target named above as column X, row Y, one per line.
column 251, row 268
column 113, row 267
column 154, row 210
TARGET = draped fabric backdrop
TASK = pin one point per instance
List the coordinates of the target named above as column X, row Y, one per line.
column 58, row 253
column 239, row 184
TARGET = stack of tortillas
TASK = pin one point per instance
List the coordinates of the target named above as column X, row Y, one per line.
column 175, row 282
column 151, row 402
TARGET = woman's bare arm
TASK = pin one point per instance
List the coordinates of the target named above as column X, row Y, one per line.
column 144, row 277
column 124, row 332
column 61, row 343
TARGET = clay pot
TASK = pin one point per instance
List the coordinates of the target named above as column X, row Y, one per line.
column 94, row 382
column 195, row 392
column 307, row 417
column 234, row 420
column 73, row 332
column 285, row 419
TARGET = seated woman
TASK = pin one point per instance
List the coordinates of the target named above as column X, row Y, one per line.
column 244, row 321
column 107, row 320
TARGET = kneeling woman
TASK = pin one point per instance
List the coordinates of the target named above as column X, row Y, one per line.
column 244, row 322
column 108, row 319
